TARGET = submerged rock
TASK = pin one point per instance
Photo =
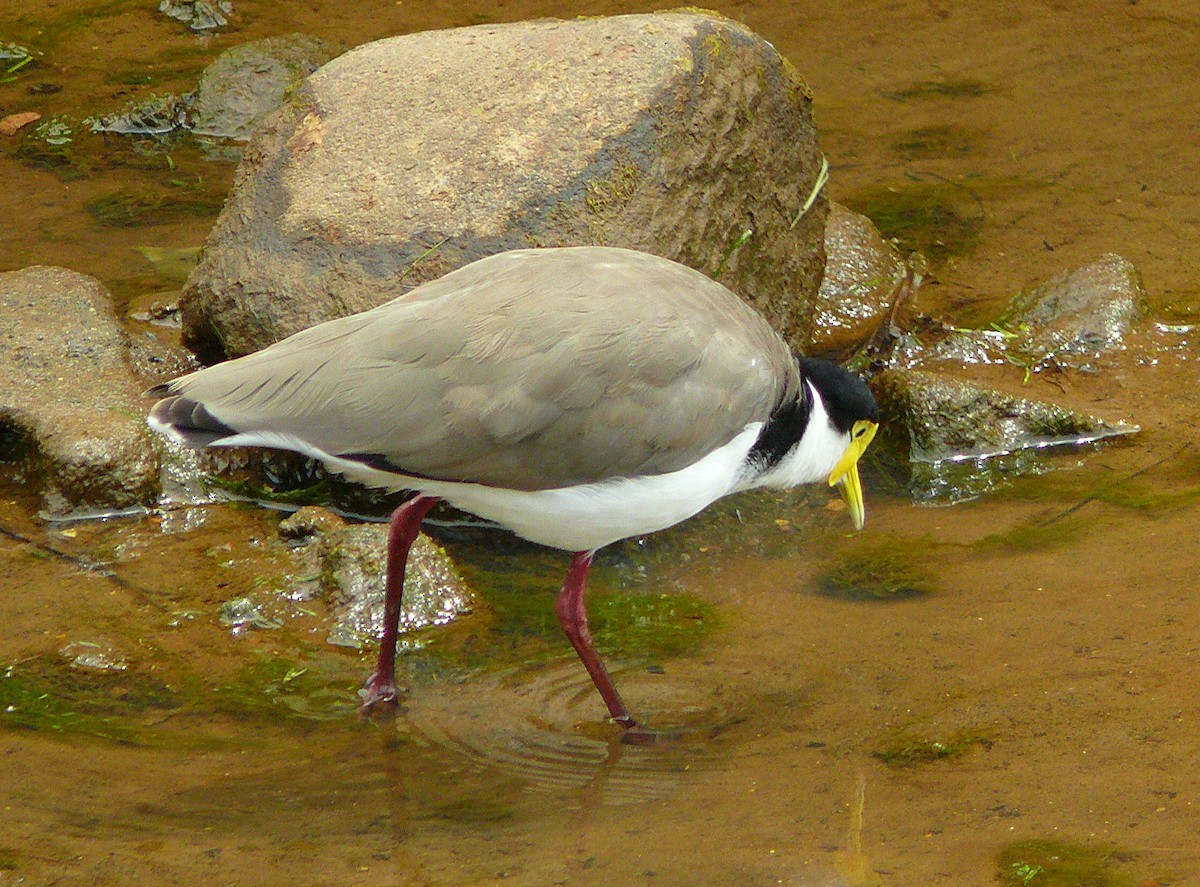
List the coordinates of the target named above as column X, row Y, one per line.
column 199, row 15
column 154, row 115
column 957, row 437
column 242, row 612
column 408, row 157
column 70, row 414
column 247, row 82
column 351, row 561
column 1079, row 315
column 1067, row 322
column 241, row 87
column 93, row 656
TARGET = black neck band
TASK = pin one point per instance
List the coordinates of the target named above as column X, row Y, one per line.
column 783, row 429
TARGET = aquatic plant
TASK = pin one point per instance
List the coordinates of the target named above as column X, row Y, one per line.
column 878, row 569
column 910, row 749
column 1049, row 862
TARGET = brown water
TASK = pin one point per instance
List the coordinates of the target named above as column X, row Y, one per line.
column 1044, row 685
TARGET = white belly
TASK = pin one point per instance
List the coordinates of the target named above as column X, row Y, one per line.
column 588, row 516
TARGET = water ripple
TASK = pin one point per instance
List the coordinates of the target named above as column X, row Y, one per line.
column 549, row 733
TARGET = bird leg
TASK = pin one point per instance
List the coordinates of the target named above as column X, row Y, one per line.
column 572, row 616
column 380, row 688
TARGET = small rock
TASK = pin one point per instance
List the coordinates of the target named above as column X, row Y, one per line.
column 305, row 524
column 93, row 656
column 1067, row 322
column 155, row 360
column 351, row 561
column 951, row 418
column 862, row 272
column 69, row 405
column 247, row 82
column 199, row 15
column 1079, row 315
column 11, row 124
column 155, row 115
column 242, row 612
column 355, row 569
column 241, row 87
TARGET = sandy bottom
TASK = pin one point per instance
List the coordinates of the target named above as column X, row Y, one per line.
column 1042, row 688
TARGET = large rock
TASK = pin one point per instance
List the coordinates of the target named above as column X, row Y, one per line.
column 408, row 157
column 69, row 404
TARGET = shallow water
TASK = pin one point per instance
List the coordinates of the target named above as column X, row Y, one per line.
column 1019, row 667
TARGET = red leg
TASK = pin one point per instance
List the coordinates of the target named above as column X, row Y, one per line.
column 406, row 524
column 572, row 616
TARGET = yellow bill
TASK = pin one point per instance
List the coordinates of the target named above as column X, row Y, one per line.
column 845, row 472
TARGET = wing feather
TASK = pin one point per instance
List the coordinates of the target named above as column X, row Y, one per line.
column 532, row 369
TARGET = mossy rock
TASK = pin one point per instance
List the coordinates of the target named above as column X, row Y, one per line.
column 961, row 439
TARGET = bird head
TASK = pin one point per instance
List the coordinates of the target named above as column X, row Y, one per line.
column 854, row 415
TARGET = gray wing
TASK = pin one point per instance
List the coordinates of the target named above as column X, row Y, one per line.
column 530, row 370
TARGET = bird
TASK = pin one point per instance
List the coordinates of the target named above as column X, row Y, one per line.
column 573, row 395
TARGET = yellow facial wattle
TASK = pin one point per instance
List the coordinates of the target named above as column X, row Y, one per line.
column 845, row 472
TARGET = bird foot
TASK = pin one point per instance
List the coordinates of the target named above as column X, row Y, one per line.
column 636, row 734
column 378, row 694
column 639, row 734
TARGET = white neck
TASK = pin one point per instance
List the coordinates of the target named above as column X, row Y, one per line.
column 811, row 458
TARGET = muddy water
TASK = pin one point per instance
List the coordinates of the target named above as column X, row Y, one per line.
column 1033, row 678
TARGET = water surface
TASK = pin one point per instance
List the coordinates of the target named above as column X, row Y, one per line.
column 1033, row 678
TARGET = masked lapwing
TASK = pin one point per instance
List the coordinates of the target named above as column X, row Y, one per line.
column 576, row 396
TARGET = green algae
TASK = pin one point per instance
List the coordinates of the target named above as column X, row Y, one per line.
column 299, row 686
column 471, row 811
column 51, row 145
column 46, row 694
column 1049, row 862
column 880, row 569
column 947, row 87
column 1162, row 487
column 941, row 140
column 516, row 622
column 912, row 749
column 315, row 492
column 609, row 195
column 940, row 219
column 651, row 626
column 171, row 264
column 1037, row 535
column 132, row 208
column 630, row 625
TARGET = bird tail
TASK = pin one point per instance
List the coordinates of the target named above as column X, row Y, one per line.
column 185, row 420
